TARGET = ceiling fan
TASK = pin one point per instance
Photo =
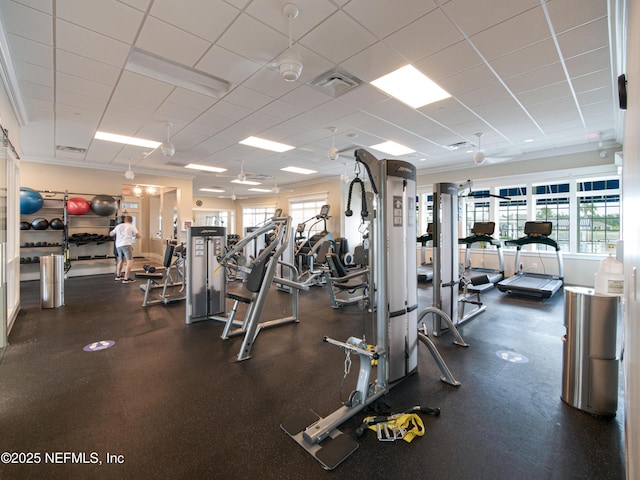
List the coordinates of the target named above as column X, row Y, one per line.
column 243, row 177
column 129, row 175
column 333, row 153
column 480, row 157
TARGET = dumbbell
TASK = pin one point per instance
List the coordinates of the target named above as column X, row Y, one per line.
column 149, row 269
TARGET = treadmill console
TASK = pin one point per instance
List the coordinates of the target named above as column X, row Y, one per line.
column 483, row 228
column 537, row 229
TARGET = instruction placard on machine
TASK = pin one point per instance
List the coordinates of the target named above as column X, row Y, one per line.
column 397, row 211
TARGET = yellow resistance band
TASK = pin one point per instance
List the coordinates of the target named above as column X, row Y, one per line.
column 409, row 423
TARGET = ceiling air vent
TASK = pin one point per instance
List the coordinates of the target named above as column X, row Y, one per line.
column 456, row 146
column 68, row 149
column 335, row 82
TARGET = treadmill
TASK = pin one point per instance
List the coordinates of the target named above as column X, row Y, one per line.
column 534, row 284
column 425, row 270
column 481, row 232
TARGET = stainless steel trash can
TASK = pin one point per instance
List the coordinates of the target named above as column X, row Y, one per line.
column 51, row 281
column 590, row 362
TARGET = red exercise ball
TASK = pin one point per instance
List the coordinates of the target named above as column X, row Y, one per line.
column 77, row 206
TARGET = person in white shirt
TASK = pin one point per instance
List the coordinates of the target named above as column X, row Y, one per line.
column 125, row 234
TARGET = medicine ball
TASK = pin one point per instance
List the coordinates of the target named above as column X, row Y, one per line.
column 25, row 226
column 56, row 224
column 30, row 201
column 104, row 205
column 77, row 206
column 40, row 223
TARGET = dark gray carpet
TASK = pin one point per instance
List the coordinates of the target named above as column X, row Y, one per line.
column 169, row 400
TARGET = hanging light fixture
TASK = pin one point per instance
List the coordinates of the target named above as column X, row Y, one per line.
column 479, row 156
column 129, row 175
column 167, row 148
column 289, row 63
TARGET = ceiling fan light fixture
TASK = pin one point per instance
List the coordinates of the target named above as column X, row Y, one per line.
column 290, row 63
column 167, row 148
column 129, row 175
column 479, row 157
column 333, row 153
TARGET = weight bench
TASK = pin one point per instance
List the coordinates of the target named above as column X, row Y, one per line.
column 151, row 278
column 230, row 319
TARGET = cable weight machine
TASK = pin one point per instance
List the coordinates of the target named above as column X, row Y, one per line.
column 395, row 310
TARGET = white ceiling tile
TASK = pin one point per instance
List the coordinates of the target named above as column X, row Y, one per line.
column 541, row 77
column 427, row 35
column 45, row 6
column 228, row 110
column 139, row 84
column 531, row 27
column 468, row 81
column 28, row 51
column 388, row 18
column 338, row 38
column 170, row 42
column 38, row 91
column 364, row 96
column 544, row 94
column 34, row 73
column 567, row 14
column 305, row 97
column 135, row 100
column 478, row 15
column 227, row 65
column 483, row 96
column 81, row 86
column 247, row 98
column 529, row 58
column 191, row 99
column 374, row 62
column 207, row 19
column 261, row 46
column 281, row 110
column 310, row 13
column 588, row 62
column 86, row 68
column 601, row 78
column 270, row 83
column 106, row 17
column 78, row 40
column 26, row 22
column 453, row 59
column 586, row 38
column 39, row 110
column 596, row 95
column 142, row 5
column 76, row 100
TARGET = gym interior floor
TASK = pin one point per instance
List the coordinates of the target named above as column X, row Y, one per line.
column 168, row 400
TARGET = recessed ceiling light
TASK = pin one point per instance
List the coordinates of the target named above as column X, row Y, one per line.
column 212, row 190
column 245, row 182
column 138, row 142
column 259, row 190
column 528, row 140
column 303, row 171
column 159, row 68
column 392, row 148
column 266, row 144
column 206, row 168
column 410, row 86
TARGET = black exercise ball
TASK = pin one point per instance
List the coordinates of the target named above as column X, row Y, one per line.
column 56, row 224
column 25, row 226
column 40, row 223
column 103, row 205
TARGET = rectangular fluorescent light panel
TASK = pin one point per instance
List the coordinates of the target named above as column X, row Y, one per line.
column 173, row 73
column 138, row 142
column 206, row 168
column 303, row 171
column 392, row 148
column 212, row 190
column 259, row 190
column 266, row 144
column 410, row 86
column 245, row 182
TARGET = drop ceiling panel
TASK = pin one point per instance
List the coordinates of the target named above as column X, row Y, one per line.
column 227, row 65
column 601, row 78
column 531, row 27
column 247, row 98
column 34, row 73
column 338, row 38
column 364, row 96
column 27, row 22
column 80, row 86
column 529, row 58
column 541, row 77
column 261, row 46
column 544, row 94
column 479, row 15
column 311, row 12
column 212, row 19
column 374, row 62
column 78, row 40
column 167, row 41
column 469, row 80
column 568, row 14
column 37, row 91
column 270, row 83
column 107, row 17
column 586, row 38
column 305, row 97
column 142, row 5
column 428, row 34
column 76, row 100
column 588, row 62
column 451, row 60
column 388, row 18
column 29, row 51
column 86, row 68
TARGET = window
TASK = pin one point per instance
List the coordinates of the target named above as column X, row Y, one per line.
column 552, row 205
column 254, row 216
column 512, row 213
column 426, row 213
column 305, row 211
column 599, row 215
column 478, row 209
